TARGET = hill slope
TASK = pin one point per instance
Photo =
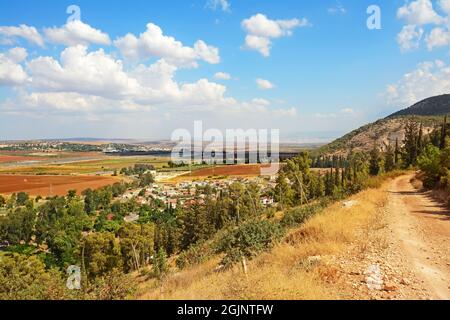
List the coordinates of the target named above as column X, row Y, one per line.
column 385, row 131
column 434, row 106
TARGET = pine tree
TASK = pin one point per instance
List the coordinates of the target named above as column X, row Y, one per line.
column 420, row 143
column 396, row 153
column 374, row 164
column 410, row 143
column 160, row 267
column 389, row 159
column 443, row 134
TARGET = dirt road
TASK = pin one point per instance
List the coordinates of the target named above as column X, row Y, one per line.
column 420, row 232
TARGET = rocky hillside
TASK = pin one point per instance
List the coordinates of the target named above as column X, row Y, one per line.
column 385, row 131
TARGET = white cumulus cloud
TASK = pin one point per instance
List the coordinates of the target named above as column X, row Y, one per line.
column 153, row 43
column 419, row 12
column 11, row 72
column 428, row 79
column 76, row 32
column 22, row 31
column 409, row 38
column 264, row 84
column 261, row 30
column 222, row 76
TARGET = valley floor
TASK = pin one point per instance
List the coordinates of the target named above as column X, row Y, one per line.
column 386, row 243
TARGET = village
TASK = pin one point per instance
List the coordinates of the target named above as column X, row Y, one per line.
column 188, row 193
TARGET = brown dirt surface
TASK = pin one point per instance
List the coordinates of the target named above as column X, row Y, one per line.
column 8, row 158
column 231, row 170
column 51, row 185
column 410, row 245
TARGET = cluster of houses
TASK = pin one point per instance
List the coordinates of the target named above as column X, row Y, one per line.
column 184, row 194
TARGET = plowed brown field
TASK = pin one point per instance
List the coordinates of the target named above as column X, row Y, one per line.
column 51, row 185
column 248, row 170
column 6, row 159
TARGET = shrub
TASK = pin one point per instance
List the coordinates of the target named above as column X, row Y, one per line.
column 248, row 240
column 299, row 215
column 195, row 255
column 430, row 163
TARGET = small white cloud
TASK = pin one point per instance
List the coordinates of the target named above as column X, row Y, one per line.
column 338, row 8
column 260, row 30
column 207, row 53
column 264, row 84
column 409, row 38
column 325, row 115
column 76, row 32
column 261, row 102
column 222, row 76
column 223, row 5
column 438, row 37
column 261, row 44
column 22, row 31
column 347, row 111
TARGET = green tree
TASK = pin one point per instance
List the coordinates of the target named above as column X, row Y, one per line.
column 284, row 194
column 160, row 266
column 60, row 224
column 89, row 202
column 2, row 201
column 389, row 159
column 410, row 143
column 26, row 278
column 17, row 225
column 443, row 134
column 113, row 285
column 22, row 198
column 71, row 194
column 136, row 245
column 374, row 162
column 99, row 254
column 247, row 240
column 430, row 163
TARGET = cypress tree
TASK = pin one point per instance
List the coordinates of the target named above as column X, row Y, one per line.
column 443, row 134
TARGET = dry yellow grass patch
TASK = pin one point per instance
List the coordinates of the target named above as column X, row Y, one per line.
column 303, row 266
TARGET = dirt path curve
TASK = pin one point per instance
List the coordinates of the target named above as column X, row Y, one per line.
column 421, row 226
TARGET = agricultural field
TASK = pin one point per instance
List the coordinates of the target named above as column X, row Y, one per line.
column 100, row 165
column 51, row 185
column 244, row 170
column 56, row 173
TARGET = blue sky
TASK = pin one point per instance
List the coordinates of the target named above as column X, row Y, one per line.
column 324, row 72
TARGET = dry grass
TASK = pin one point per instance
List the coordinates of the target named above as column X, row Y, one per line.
column 288, row 271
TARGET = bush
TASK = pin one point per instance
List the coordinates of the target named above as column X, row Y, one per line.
column 248, row 240
column 195, row 255
column 299, row 215
column 114, row 285
column 430, row 163
column 25, row 277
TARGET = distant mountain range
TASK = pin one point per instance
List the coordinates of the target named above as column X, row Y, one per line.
column 385, row 131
